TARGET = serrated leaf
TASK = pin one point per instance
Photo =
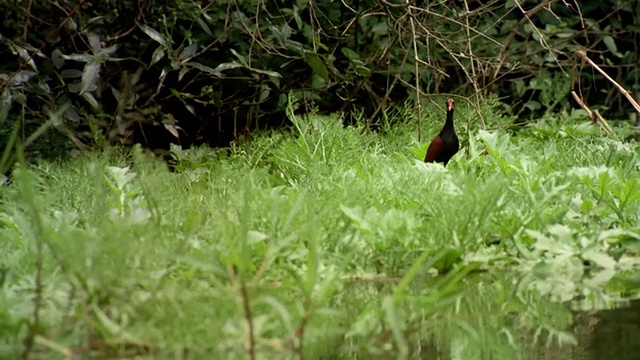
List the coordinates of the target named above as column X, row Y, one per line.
column 153, row 34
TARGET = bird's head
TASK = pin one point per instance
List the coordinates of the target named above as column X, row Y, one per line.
column 451, row 105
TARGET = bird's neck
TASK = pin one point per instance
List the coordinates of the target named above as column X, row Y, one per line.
column 448, row 126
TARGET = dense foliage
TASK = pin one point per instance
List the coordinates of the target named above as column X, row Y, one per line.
column 189, row 72
column 326, row 243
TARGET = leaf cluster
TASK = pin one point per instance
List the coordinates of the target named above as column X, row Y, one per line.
column 324, row 242
column 184, row 72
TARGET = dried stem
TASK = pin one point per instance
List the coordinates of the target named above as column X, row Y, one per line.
column 243, row 294
column 594, row 115
column 473, row 68
column 34, row 325
column 51, row 36
column 416, row 59
column 581, row 54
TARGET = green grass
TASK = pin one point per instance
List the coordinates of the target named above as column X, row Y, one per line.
column 324, row 243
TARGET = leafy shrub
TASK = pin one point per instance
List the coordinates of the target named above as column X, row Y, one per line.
column 185, row 72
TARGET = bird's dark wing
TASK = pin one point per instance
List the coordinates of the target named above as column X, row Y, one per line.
column 434, row 149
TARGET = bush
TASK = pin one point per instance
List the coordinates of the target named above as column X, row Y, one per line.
column 182, row 72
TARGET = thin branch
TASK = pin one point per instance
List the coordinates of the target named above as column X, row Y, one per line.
column 416, row 58
column 542, row 40
column 51, row 36
column 474, row 81
column 581, row 54
column 594, row 115
column 509, row 39
column 243, row 294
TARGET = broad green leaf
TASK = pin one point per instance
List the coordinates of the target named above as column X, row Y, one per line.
column 204, row 26
column 24, row 54
column 266, row 72
column 358, row 217
column 79, row 57
column 600, row 258
column 419, row 151
column 57, row 58
column 227, row 66
column 188, row 51
column 5, row 104
column 182, row 73
column 380, row 28
column 241, row 58
column 90, row 77
column 157, row 55
column 106, row 53
column 91, row 100
column 172, row 128
column 153, row 34
column 317, row 65
column 205, row 69
column 350, row 54
column 94, row 42
column 611, row 45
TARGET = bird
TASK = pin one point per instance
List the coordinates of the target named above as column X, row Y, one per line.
column 445, row 144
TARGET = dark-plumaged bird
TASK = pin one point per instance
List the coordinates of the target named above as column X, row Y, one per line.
column 445, row 144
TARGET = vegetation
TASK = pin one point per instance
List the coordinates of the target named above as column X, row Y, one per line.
column 188, row 72
column 325, row 236
column 325, row 242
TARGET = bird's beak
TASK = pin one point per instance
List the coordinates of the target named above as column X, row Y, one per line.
column 450, row 105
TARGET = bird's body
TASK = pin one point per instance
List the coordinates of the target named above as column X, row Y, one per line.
column 445, row 144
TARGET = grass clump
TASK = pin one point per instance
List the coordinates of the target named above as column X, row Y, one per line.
column 325, row 242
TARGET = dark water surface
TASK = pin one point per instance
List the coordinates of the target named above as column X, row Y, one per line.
column 604, row 334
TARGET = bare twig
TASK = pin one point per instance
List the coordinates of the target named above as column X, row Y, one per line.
column 509, row 39
column 416, row 57
column 51, row 36
column 243, row 294
column 393, row 83
column 299, row 335
column 542, row 40
column 477, row 32
column 473, row 68
column 594, row 115
column 581, row 54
